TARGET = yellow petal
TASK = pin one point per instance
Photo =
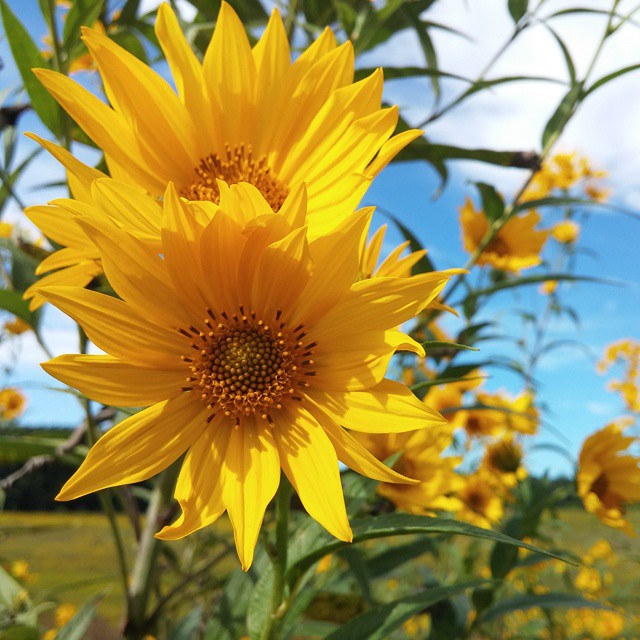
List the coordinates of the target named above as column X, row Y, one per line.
column 63, row 258
column 389, row 407
column 139, row 447
column 137, row 274
column 251, row 478
column 199, row 485
column 336, row 260
column 116, row 329
column 310, row 462
column 108, row 129
column 79, row 275
column 109, row 380
column 60, row 225
column 164, row 130
column 351, row 453
column 230, row 76
column 391, row 149
column 80, row 175
column 380, row 303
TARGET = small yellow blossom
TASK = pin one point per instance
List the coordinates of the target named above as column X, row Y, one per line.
column 566, row 232
column 596, row 193
column 324, row 565
column 19, row 569
column 626, row 352
column 504, row 459
column 549, row 287
column 16, row 326
column 6, row 229
column 515, row 247
column 12, row 403
column 481, row 501
column 64, row 613
column 418, row 626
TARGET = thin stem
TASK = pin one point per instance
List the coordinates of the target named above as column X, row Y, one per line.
column 105, row 497
column 290, row 20
column 146, row 558
column 283, row 500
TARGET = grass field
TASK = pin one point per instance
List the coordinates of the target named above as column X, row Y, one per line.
column 71, row 556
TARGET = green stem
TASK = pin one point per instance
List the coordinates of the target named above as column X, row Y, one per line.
column 283, row 499
column 106, row 497
column 144, row 569
column 290, row 21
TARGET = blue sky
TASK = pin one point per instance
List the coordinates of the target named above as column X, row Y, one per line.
column 607, row 130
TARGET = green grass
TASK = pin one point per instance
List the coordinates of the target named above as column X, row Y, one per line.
column 72, row 556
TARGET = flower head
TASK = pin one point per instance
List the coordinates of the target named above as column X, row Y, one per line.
column 515, row 247
column 422, row 458
column 504, row 459
column 566, row 232
column 481, row 501
column 251, row 347
column 242, row 115
column 12, row 403
column 607, row 481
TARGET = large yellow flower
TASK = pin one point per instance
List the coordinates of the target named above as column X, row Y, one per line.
column 252, row 348
column 422, row 458
column 242, row 115
column 515, row 247
column 607, row 481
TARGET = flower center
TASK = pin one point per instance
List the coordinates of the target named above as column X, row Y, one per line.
column 244, row 366
column 236, row 165
column 476, row 501
column 505, row 457
column 498, row 246
column 609, row 498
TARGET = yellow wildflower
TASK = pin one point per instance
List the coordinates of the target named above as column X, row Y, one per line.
column 251, row 348
column 19, row 569
column 481, row 501
column 64, row 613
column 502, row 414
column 602, row 551
column 446, row 397
column 12, row 403
column 549, row 287
column 418, row 626
column 504, row 459
column 242, row 115
column 626, row 352
column 422, row 458
column 566, row 232
column 607, row 481
column 6, row 229
column 515, row 247
column 596, row 193
column 324, row 565
column 16, row 326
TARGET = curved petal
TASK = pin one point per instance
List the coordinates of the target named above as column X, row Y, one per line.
column 386, row 408
column 199, row 486
column 139, row 447
column 78, row 275
column 111, row 381
column 251, row 478
column 116, row 329
column 309, row 460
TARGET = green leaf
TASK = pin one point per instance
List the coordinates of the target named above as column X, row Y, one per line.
column 360, row 570
column 518, row 9
column 20, row 632
column 381, row 621
column 492, row 201
column 19, row 448
column 315, row 542
column 611, row 76
column 27, row 56
column 77, row 627
column 561, row 116
column 398, row 73
column 392, row 558
column 13, row 302
column 527, row 280
column 442, row 344
column 187, row 628
column 571, row 68
column 544, row 601
column 83, row 13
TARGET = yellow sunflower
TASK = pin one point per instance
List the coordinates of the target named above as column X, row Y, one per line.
column 482, row 503
column 448, row 398
column 242, row 115
column 252, row 348
column 502, row 414
column 608, row 482
column 422, row 459
column 504, row 459
column 515, row 247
